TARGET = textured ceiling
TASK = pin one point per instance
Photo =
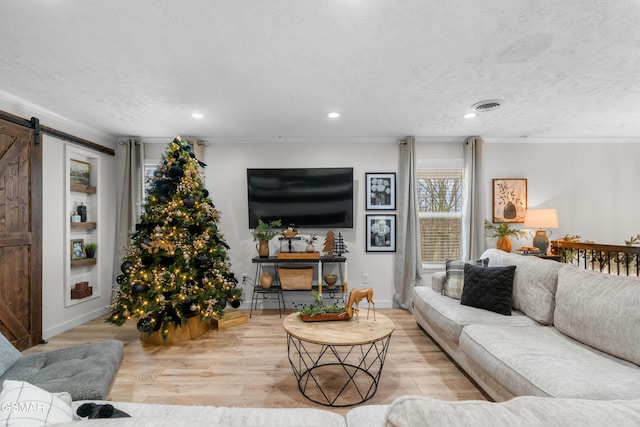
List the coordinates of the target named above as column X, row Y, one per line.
column 275, row 68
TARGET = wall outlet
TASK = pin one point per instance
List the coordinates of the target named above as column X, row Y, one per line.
column 365, row 278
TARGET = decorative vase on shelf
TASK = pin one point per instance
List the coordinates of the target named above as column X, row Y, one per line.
column 311, row 248
column 266, row 280
column 504, row 243
column 82, row 211
column 330, row 280
column 263, row 248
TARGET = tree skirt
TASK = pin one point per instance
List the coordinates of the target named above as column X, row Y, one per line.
column 188, row 331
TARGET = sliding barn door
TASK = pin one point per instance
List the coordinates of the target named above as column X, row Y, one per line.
column 20, row 234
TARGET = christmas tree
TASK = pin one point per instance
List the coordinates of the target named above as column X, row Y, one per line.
column 176, row 266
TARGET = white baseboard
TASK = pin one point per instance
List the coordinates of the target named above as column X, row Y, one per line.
column 72, row 323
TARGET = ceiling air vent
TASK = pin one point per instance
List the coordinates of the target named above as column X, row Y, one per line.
column 488, row 105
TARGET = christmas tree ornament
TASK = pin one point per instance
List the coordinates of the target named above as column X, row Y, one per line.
column 235, row 303
column 139, row 288
column 144, row 325
column 189, row 201
column 175, row 172
column 125, row 266
column 121, row 279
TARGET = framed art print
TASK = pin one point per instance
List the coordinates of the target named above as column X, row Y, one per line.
column 381, row 233
column 79, row 172
column 509, row 199
column 380, row 191
column 77, row 249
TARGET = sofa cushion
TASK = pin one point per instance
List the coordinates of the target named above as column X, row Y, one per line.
column 84, row 371
column 192, row 415
column 8, row 354
column 488, row 288
column 448, row 315
column 454, row 270
column 367, row 416
column 541, row 361
column 534, row 283
column 24, row 404
column 528, row 411
column 600, row 310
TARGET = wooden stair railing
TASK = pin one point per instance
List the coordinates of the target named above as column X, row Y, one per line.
column 613, row 259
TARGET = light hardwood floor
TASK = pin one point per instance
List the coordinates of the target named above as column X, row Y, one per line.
column 247, row 365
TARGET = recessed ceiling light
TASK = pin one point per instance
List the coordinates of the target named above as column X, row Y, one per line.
column 197, row 115
column 470, row 115
column 333, row 115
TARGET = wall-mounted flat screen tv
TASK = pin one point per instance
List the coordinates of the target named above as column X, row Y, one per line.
column 311, row 197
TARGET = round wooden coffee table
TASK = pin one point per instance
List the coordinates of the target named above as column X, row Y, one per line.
column 338, row 363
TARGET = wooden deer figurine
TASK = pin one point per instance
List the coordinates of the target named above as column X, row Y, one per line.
column 357, row 295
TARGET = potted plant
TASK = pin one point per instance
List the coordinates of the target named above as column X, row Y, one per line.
column 318, row 311
column 264, row 232
column 90, row 249
column 502, row 233
column 310, row 241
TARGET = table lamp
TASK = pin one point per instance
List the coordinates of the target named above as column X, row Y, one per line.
column 541, row 219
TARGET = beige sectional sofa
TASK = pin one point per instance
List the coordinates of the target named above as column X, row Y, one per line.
column 408, row 411
column 573, row 333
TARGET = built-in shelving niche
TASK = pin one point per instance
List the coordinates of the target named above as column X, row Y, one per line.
column 78, row 270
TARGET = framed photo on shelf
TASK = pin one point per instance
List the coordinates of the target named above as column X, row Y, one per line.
column 77, row 249
column 380, row 191
column 509, row 199
column 79, row 172
column 381, row 233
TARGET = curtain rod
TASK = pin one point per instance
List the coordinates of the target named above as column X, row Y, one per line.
column 122, row 141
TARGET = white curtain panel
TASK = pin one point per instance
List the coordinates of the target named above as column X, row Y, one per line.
column 473, row 242
column 408, row 266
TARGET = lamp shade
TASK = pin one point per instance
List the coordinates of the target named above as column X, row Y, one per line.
column 541, row 218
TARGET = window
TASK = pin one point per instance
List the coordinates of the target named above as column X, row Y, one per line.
column 440, row 206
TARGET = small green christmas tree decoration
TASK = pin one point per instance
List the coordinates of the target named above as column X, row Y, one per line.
column 176, row 267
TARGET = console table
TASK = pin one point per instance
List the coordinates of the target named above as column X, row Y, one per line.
column 276, row 288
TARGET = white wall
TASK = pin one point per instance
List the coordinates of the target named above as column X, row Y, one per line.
column 594, row 186
column 226, row 181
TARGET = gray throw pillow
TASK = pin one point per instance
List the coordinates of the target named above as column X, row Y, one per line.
column 454, row 271
column 489, row 288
